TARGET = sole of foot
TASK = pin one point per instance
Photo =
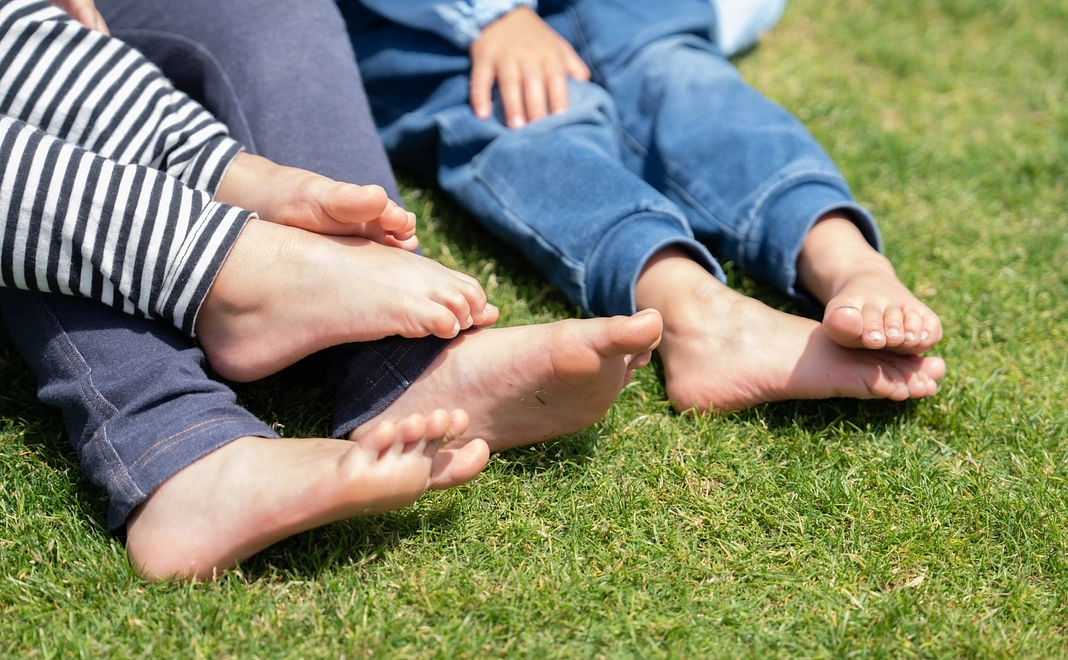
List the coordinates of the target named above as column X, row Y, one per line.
column 254, row 492
column 527, row 384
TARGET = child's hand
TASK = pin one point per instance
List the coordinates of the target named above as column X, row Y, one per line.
column 299, row 198
column 83, row 11
column 530, row 63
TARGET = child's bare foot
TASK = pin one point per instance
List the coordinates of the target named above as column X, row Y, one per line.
column 724, row 351
column 531, row 383
column 284, row 293
column 866, row 305
column 299, row 198
column 253, row 492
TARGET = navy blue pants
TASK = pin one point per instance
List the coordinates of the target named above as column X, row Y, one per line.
column 137, row 402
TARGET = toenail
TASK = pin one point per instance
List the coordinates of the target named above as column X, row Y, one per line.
column 894, row 332
column 925, row 336
column 875, row 336
column 910, row 336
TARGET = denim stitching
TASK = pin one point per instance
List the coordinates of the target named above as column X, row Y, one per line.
column 120, row 477
column 79, row 367
column 92, row 398
column 150, row 454
column 385, row 370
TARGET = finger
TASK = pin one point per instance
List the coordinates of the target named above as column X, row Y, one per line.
column 509, row 82
column 534, row 94
column 557, row 86
column 481, row 88
column 576, row 68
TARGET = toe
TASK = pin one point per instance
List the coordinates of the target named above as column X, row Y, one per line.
column 930, row 331
column 874, row 333
column 412, row 431
column 378, row 439
column 895, row 328
column 844, row 324
column 458, row 465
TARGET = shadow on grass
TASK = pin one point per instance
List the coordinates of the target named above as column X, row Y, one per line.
column 353, row 542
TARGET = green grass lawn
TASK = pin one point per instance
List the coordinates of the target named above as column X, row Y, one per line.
column 935, row 528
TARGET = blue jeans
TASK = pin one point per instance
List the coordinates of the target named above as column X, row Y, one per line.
column 137, row 402
column 666, row 146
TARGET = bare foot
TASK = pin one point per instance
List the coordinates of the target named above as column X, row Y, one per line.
column 299, row 198
column 253, row 492
column 531, row 383
column 284, row 293
column 866, row 305
column 724, row 351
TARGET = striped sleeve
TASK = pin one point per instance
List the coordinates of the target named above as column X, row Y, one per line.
column 95, row 148
column 98, row 93
column 126, row 235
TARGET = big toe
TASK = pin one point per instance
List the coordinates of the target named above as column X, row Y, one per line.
column 845, row 325
column 639, row 333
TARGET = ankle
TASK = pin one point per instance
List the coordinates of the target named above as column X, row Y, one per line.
column 833, row 252
column 663, row 277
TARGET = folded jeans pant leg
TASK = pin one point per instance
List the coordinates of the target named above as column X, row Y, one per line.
column 749, row 176
column 137, row 403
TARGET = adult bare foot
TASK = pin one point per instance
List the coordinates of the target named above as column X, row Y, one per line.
column 724, row 351
column 531, row 383
column 867, row 306
column 299, row 198
column 284, row 293
column 253, row 492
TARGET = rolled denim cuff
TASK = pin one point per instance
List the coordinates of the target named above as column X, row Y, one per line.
column 182, row 444
column 618, row 259
column 789, row 214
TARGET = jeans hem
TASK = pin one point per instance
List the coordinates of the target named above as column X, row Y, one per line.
column 625, row 249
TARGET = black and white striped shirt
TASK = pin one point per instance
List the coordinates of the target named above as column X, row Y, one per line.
column 106, row 172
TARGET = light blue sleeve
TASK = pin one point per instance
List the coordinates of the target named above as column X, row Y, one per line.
column 459, row 21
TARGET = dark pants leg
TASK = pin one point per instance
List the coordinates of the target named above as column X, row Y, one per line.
column 134, row 395
column 282, row 76
column 137, row 402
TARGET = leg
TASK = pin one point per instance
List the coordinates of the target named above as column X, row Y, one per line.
column 751, row 179
column 600, row 226
column 284, row 79
column 137, row 403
